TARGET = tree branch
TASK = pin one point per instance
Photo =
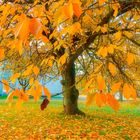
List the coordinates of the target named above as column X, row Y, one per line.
column 124, row 7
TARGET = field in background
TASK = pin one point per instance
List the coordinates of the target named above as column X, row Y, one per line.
column 30, row 123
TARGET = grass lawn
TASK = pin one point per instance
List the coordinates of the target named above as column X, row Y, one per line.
column 30, row 123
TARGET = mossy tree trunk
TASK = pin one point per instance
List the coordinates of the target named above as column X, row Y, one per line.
column 70, row 92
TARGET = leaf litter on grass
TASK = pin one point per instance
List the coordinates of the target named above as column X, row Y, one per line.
column 30, row 123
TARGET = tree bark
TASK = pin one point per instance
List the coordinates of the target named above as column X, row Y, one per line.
column 70, row 100
column 120, row 97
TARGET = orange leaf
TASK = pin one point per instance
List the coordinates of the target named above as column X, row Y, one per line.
column 20, row 94
column 103, row 98
column 130, row 58
column 112, row 102
column 77, row 9
column 2, row 55
column 47, row 93
column 35, row 26
column 112, row 69
column 100, row 82
column 23, row 96
column 98, row 100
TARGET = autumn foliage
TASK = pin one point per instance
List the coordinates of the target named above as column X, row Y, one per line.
column 100, row 38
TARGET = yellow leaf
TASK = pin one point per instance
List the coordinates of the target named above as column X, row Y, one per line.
column 20, row 94
column 101, row 82
column 104, row 29
column 115, row 7
column 6, row 85
column 16, row 92
column 115, row 12
column 102, row 51
column 62, row 59
column 31, row 81
column 115, row 87
column 68, row 10
column 89, row 99
column 126, row 91
column 14, row 77
column 47, row 93
column 112, row 69
column 130, row 58
column 102, row 2
column 73, row 29
column 37, row 92
column 36, row 70
column 136, row 17
column 118, row 35
column 129, row 91
column 19, row 46
column 5, row 12
column 22, row 29
column 133, row 92
column 128, row 34
column 111, row 48
column 97, row 69
column 28, row 70
column 19, row 103
column 36, row 1
column 36, row 83
column 88, row 83
column 98, row 29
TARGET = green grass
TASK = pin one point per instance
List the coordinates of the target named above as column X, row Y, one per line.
column 29, row 122
column 126, row 108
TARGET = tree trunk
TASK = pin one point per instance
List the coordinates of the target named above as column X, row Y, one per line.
column 120, row 97
column 70, row 100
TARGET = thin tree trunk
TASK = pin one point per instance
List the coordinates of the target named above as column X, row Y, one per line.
column 120, row 97
column 70, row 92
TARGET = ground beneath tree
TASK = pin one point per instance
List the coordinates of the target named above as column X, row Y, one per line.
column 30, row 123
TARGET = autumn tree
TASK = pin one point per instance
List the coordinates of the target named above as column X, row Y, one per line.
column 39, row 38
